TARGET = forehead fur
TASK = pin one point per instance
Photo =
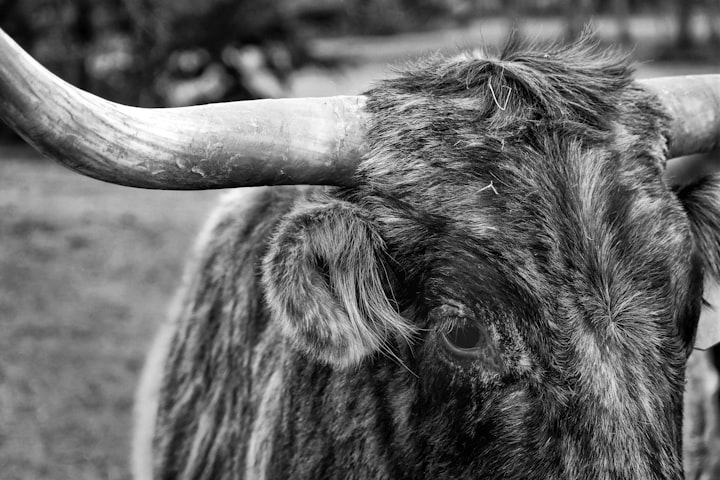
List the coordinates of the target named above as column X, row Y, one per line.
column 482, row 167
column 471, row 112
column 451, row 135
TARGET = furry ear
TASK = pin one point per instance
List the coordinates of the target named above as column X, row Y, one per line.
column 701, row 201
column 326, row 282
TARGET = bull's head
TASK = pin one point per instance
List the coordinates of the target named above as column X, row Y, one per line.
column 503, row 231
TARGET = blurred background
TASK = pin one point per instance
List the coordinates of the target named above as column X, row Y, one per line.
column 87, row 269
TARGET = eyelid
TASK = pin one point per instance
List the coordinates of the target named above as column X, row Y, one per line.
column 450, row 309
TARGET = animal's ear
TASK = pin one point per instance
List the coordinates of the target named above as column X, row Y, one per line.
column 327, row 282
column 701, row 201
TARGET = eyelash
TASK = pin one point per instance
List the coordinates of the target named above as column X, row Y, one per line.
column 453, row 323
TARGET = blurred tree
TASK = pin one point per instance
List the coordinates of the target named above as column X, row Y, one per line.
column 698, row 30
column 383, row 17
column 688, row 12
column 516, row 10
column 15, row 21
column 621, row 12
column 238, row 40
column 577, row 13
column 163, row 52
column 714, row 23
column 684, row 16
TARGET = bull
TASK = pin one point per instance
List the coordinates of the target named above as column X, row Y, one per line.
column 490, row 276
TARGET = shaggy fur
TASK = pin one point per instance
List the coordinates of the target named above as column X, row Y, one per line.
column 701, row 429
column 325, row 276
column 511, row 291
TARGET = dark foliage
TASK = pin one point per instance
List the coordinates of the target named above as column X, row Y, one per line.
column 127, row 50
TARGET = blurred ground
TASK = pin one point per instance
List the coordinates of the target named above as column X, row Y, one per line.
column 87, row 270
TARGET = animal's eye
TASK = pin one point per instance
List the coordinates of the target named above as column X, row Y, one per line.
column 465, row 338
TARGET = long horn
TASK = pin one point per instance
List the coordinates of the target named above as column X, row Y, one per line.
column 693, row 103
column 315, row 141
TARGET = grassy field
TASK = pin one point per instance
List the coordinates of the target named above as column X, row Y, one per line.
column 86, row 272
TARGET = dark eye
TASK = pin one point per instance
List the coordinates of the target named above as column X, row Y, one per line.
column 464, row 339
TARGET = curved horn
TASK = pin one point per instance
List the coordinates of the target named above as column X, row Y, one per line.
column 262, row 142
column 693, row 103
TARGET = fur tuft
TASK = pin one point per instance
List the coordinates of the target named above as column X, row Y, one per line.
column 701, row 201
column 327, row 284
